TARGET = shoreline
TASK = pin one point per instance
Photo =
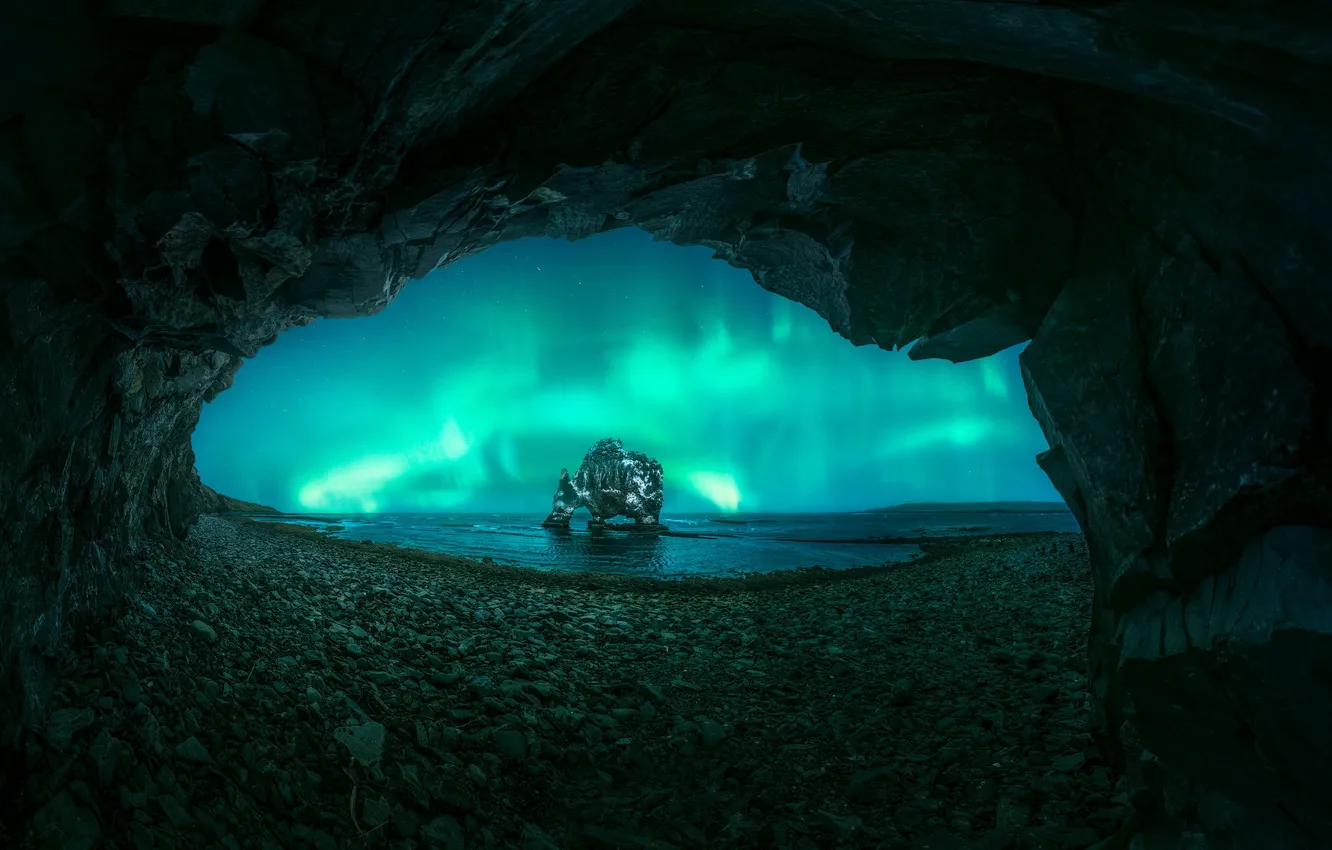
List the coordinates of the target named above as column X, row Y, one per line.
column 271, row 684
column 931, row 547
column 330, row 522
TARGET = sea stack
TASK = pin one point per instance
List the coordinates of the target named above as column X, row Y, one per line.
column 610, row 482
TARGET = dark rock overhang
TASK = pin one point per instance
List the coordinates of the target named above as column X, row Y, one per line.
column 1143, row 190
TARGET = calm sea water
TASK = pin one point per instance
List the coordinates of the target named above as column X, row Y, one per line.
column 698, row 544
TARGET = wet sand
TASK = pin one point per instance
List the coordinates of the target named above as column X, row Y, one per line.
column 269, row 686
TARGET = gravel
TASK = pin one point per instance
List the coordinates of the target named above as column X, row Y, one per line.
column 267, row 687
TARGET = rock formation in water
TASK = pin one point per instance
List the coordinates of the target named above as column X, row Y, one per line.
column 565, row 503
column 610, row 482
column 1141, row 189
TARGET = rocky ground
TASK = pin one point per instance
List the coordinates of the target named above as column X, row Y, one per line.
column 270, row 688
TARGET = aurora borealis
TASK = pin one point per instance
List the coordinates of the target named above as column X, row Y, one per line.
column 480, row 382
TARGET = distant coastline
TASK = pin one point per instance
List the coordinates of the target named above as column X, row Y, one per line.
column 213, row 502
column 971, row 507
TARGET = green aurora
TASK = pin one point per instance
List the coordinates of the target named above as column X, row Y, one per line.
column 480, row 382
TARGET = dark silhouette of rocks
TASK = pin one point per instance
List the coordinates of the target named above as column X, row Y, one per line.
column 1140, row 189
column 610, row 482
column 214, row 502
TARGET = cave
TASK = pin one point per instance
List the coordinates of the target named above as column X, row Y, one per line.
column 1142, row 191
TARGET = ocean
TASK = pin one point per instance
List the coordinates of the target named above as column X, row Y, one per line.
column 697, row 544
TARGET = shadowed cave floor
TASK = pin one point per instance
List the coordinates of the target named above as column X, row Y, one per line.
column 933, row 705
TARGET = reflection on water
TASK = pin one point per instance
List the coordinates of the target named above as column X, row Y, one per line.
column 595, row 548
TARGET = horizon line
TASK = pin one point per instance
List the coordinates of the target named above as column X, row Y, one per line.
column 1058, row 505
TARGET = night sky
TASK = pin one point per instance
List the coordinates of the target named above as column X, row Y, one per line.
column 479, row 382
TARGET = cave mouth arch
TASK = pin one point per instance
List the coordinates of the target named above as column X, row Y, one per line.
column 1144, row 194
column 480, row 381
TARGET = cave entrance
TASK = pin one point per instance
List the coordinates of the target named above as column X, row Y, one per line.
column 1145, row 193
column 472, row 389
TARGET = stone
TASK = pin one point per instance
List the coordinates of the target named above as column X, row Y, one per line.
column 202, row 631
column 405, row 821
column 610, row 482
column 512, row 744
column 141, row 836
column 711, row 733
column 535, row 838
column 64, row 724
column 365, row 741
column 149, row 732
column 175, row 812
column 1011, row 814
column 375, row 811
column 109, row 754
column 863, row 782
column 192, row 750
column 477, row 775
column 65, row 823
column 445, row 833
column 1069, row 763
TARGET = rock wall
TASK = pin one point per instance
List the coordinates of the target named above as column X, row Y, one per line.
column 1141, row 189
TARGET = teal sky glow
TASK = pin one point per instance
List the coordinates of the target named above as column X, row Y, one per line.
column 479, row 382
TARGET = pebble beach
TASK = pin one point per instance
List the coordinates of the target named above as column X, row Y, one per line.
column 268, row 687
